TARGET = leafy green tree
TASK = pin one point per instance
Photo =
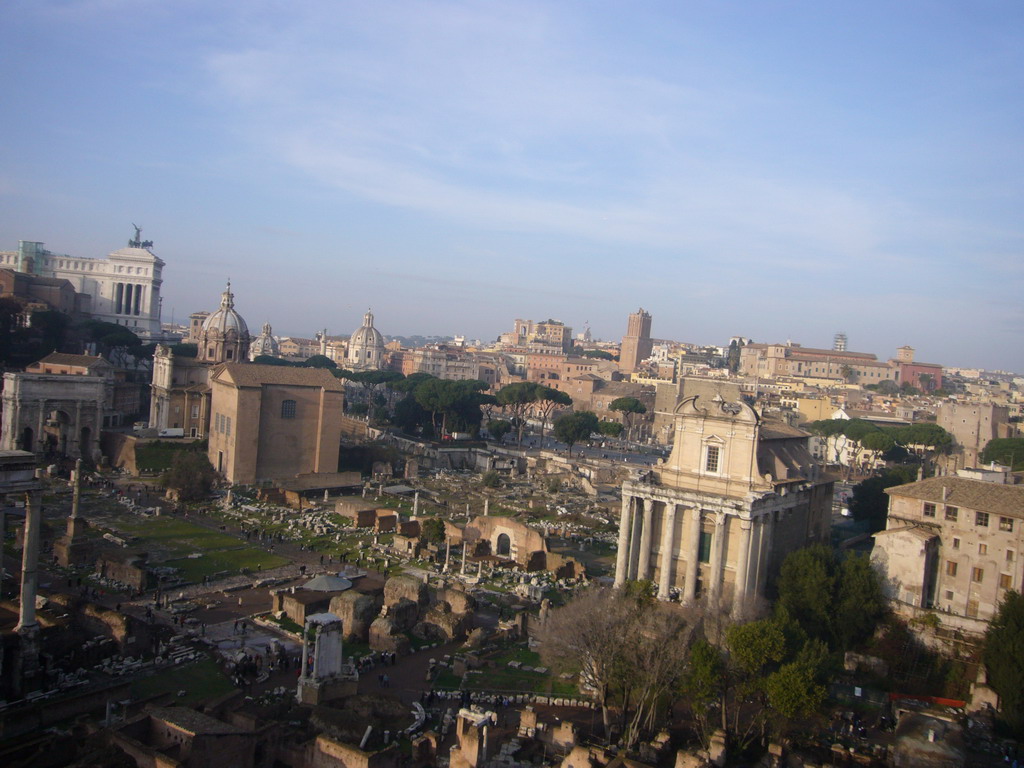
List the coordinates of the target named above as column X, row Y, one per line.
column 192, row 350
column 432, row 530
column 516, row 399
column 733, row 356
column 806, row 585
column 1004, row 659
column 50, row 330
column 870, row 502
column 410, row 382
column 836, row 603
column 574, row 427
column 628, row 407
column 793, row 692
column 499, row 428
column 859, row 602
column 549, row 399
column 456, row 403
column 610, row 428
column 319, row 361
column 879, row 442
column 703, row 686
column 191, row 475
column 411, row 417
column 597, row 354
column 1008, row 451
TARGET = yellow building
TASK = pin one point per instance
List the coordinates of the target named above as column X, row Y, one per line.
column 273, row 422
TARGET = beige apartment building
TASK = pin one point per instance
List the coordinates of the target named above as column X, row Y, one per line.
column 715, row 520
column 272, row 422
column 953, row 544
column 773, row 360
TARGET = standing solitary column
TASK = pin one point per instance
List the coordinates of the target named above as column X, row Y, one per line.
column 668, row 550
column 692, row 557
column 622, row 555
column 305, row 649
column 645, row 540
column 739, row 593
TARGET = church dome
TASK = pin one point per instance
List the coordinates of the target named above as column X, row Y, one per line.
column 224, row 337
column 264, row 344
column 226, row 319
column 365, row 346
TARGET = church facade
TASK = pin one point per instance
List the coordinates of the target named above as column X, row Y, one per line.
column 180, row 392
column 714, row 521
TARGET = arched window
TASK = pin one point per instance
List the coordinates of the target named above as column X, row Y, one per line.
column 287, row 409
column 504, row 544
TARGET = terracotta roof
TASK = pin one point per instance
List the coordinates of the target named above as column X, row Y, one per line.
column 963, row 492
column 775, row 430
column 85, row 361
column 253, row 375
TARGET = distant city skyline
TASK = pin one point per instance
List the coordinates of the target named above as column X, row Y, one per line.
column 775, row 171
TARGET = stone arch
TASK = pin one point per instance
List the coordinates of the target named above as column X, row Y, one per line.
column 27, row 441
column 503, row 545
column 57, row 432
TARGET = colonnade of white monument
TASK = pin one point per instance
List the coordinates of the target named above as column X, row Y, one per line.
column 639, row 556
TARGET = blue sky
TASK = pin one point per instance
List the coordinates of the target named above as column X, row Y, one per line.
column 777, row 170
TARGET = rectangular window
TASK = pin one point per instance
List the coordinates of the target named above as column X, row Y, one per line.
column 956, row 543
column 981, row 518
column 972, row 608
column 227, row 426
column 704, row 552
column 983, row 549
column 951, row 568
column 929, row 509
column 1009, row 555
column 952, row 513
column 195, row 411
column 1004, row 581
column 711, row 460
column 1006, row 524
column 977, row 575
column 949, row 594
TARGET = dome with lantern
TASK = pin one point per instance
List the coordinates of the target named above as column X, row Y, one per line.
column 224, row 337
column 264, row 344
column 365, row 347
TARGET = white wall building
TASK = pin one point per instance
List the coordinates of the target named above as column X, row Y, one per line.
column 124, row 288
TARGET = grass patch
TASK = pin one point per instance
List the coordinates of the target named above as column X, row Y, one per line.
column 201, row 681
column 157, row 456
column 220, row 551
column 232, row 561
column 507, row 680
column 522, row 655
column 284, row 623
column 448, row 680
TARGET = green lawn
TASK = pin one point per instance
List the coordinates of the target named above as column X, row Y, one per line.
column 201, row 680
column 220, row 552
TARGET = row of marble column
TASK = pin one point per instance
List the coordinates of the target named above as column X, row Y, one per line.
column 128, row 299
column 636, row 554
